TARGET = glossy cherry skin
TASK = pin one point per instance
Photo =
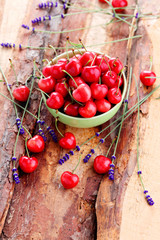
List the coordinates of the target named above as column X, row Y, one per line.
column 47, row 84
column 36, row 144
column 71, row 109
column 101, row 164
column 87, row 59
column 69, row 180
column 89, row 110
column 77, row 56
column 111, row 79
column 91, row 74
column 82, row 93
column 102, row 62
column 57, row 70
column 47, row 71
column 28, row 165
column 21, row 93
column 78, row 81
column 114, row 95
column 55, row 101
column 62, row 88
column 148, row 81
column 68, row 141
column 63, row 60
column 98, row 91
column 103, row 105
column 74, row 67
column 115, row 65
column 119, row 4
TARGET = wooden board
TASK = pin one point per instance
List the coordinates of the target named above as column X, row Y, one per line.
column 39, row 207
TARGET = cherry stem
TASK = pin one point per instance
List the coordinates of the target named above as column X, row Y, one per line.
column 110, row 146
column 56, row 125
column 14, row 71
column 46, row 60
column 138, row 119
column 38, row 70
column 28, row 79
column 93, row 60
column 75, row 45
column 42, row 92
column 100, row 80
column 27, row 148
column 54, row 52
column 151, row 63
column 39, row 109
column 82, row 45
column 77, row 164
column 67, row 50
column 70, row 77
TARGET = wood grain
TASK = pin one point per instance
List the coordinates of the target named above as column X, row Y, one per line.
column 40, row 208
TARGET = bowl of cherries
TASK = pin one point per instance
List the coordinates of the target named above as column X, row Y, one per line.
column 83, row 88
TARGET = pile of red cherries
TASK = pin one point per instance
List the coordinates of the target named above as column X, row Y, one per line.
column 85, row 85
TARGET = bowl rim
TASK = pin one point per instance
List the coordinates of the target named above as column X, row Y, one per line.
column 70, row 53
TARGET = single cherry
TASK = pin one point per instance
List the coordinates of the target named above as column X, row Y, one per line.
column 21, row 93
column 102, row 164
column 114, row 95
column 47, row 71
column 103, row 105
column 62, row 88
column 28, row 164
column 55, row 101
column 98, row 91
column 63, row 60
column 111, row 79
column 89, row 110
column 78, row 81
column 148, row 78
column 68, row 141
column 119, row 4
column 102, row 62
column 57, row 70
column 87, row 59
column 69, row 180
column 36, row 144
column 47, row 84
column 71, row 109
column 82, row 93
column 91, row 73
column 115, row 65
column 74, row 67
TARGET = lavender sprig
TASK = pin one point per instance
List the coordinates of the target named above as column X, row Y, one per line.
column 15, row 174
column 53, row 134
column 19, row 125
column 47, row 5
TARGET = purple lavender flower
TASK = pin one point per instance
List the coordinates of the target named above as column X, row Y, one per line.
column 46, row 5
column 53, row 134
column 15, row 177
column 41, row 133
column 19, row 125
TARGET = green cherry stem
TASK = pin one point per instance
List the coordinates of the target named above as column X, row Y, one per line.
column 56, row 125
column 70, row 77
column 10, row 60
column 26, row 147
column 110, row 146
column 77, row 164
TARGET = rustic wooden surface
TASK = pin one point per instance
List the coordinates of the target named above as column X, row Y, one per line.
column 39, row 207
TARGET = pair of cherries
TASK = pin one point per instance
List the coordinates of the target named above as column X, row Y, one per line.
column 117, row 4
column 74, row 85
column 101, row 166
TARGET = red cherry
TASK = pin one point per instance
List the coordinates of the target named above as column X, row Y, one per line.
column 47, row 84
column 63, row 60
column 103, row 105
column 21, row 93
column 89, row 110
column 78, row 80
column 91, row 73
column 82, row 93
column 62, row 88
column 119, row 4
column 115, row 65
column 57, row 70
column 111, row 79
column 102, row 62
column 28, row 164
column 87, row 59
column 36, row 144
column 71, row 109
column 148, row 81
column 68, row 141
column 77, row 56
column 102, row 164
column 74, row 67
column 69, row 180
column 98, row 91
column 47, row 71
column 103, row 1
column 114, row 95
column 55, row 101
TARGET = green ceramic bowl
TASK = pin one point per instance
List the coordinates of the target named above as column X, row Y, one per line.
column 80, row 122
